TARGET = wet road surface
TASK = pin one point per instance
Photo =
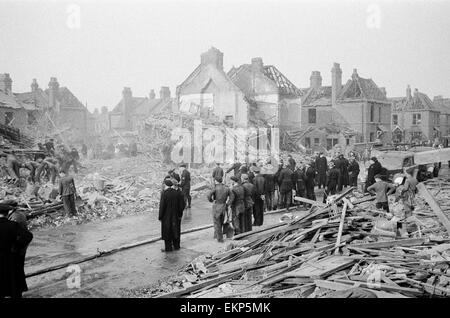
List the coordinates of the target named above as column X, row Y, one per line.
column 111, row 275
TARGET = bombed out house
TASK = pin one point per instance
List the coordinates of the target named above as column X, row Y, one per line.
column 56, row 106
column 251, row 95
column 345, row 115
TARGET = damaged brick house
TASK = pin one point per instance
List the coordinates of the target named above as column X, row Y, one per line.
column 249, row 95
column 61, row 105
column 12, row 113
column 357, row 112
column 415, row 118
column 20, row 110
column 130, row 113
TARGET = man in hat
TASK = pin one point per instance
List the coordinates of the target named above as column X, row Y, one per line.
column 298, row 179
column 374, row 169
column 291, row 162
column 341, row 164
column 237, row 205
column 269, row 191
column 170, row 214
column 286, row 186
column 258, row 208
column 235, row 168
column 310, row 175
column 353, row 172
column 67, row 191
column 185, row 185
column 321, row 165
column 13, row 240
column 382, row 190
column 174, row 175
column 249, row 201
column 217, row 171
column 332, row 179
column 221, row 196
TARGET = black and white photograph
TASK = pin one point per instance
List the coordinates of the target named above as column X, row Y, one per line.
column 245, row 151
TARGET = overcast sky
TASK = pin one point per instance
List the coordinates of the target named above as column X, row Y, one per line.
column 151, row 44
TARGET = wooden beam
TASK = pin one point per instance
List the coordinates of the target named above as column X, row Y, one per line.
column 312, row 202
column 403, row 242
column 434, row 205
column 341, row 227
column 208, row 283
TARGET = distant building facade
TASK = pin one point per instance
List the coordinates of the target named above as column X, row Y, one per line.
column 417, row 119
column 357, row 112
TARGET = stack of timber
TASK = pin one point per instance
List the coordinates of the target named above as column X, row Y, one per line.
column 332, row 251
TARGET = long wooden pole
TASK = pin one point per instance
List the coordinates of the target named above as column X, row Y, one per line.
column 341, row 227
column 434, row 205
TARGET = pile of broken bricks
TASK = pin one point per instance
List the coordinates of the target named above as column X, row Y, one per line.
column 332, row 251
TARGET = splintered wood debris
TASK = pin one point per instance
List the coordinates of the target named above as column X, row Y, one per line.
column 329, row 254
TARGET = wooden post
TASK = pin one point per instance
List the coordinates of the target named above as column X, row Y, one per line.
column 341, row 226
column 434, row 205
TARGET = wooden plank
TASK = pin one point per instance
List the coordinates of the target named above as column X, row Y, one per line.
column 312, row 202
column 208, row 283
column 403, row 242
column 341, row 227
column 434, row 205
column 322, row 268
column 382, row 286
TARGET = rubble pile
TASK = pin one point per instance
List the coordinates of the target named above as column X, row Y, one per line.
column 106, row 189
column 344, row 248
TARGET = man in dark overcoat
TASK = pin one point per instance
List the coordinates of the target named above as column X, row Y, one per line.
column 249, row 201
column 170, row 213
column 13, row 239
column 185, row 185
column 321, row 165
column 286, row 185
column 258, row 208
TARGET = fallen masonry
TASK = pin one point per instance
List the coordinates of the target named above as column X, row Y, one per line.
column 345, row 248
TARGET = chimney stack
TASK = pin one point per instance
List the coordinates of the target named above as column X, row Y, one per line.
column 53, row 92
column 315, row 80
column 416, row 92
column 164, row 92
column 408, row 92
column 6, row 83
column 257, row 64
column 383, row 90
column 34, row 85
column 127, row 99
column 212, row 57
column 336, row 82
column 152, row 94
column 355, row 73
column 104, row 110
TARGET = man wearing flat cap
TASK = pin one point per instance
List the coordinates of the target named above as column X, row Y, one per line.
column 68, row 192
column 258, row 208
column 221, row 196
column 249, row 201
column 237, row 204
column 171, row 208
column 374, row 169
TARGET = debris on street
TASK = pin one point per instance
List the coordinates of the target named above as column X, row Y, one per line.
column 346, row 248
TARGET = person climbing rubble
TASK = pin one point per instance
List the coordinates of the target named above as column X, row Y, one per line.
column 12, row 165
column 382, row 190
